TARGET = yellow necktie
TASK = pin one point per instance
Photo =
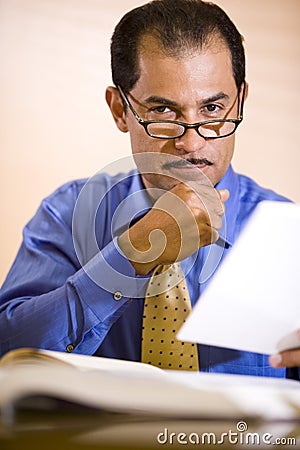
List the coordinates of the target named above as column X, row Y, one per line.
column 167, row 305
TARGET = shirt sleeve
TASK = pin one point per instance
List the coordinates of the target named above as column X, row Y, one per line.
column 48, row 300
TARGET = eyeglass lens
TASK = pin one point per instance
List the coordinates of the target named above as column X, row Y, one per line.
column 172, row 130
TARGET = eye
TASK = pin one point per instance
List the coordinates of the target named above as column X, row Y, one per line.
column 212, row 108
column 160, row 109
column 161, row 112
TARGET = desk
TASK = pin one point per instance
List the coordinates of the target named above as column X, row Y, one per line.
column 80, row 429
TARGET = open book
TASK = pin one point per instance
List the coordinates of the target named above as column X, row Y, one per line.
column 132, row 387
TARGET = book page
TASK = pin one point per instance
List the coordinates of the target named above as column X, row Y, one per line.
column 113, row 391
column 126, row 387
column 180, row 395
column 81, row 362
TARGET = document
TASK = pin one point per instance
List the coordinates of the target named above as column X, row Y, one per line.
column 253, row 302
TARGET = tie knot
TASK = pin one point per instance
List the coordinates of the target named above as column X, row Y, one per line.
column 173, row 269
column 164, row 278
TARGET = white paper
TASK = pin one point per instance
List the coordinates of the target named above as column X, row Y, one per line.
column 253, row 302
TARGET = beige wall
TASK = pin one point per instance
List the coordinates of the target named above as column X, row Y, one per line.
column 55, row 125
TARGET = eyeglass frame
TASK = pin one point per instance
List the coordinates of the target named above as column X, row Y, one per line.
column 185, row 125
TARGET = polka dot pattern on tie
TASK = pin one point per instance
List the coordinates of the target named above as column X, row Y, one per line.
column 164, row 314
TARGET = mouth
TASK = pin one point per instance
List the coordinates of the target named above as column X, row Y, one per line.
column 190, row 163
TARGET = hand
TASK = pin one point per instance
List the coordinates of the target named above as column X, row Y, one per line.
column 288, row 358
column 180, row 222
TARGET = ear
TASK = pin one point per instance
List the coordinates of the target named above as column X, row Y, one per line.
column 114, row 101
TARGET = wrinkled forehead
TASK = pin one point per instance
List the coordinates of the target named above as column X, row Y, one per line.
column 209, row 64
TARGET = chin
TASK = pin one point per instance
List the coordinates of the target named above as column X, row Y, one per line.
column 160, row 182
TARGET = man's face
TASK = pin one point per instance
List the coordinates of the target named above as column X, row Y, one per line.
column 195, row 87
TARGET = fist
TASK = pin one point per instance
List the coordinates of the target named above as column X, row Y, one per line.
column 180, row 222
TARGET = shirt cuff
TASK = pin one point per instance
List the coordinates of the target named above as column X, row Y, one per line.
column 108, row 281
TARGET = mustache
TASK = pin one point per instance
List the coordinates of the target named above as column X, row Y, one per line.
column 187, row 162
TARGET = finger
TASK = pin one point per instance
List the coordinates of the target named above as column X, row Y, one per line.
column 288, row 358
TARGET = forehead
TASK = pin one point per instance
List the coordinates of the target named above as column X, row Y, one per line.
column 205, row 70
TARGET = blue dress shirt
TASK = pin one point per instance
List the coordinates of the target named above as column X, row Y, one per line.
column 71, row 288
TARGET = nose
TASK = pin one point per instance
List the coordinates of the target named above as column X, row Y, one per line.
column 190, row 142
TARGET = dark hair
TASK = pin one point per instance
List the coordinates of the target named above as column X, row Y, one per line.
column 179, row 25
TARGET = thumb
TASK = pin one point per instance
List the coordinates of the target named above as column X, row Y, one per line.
column 224, row 195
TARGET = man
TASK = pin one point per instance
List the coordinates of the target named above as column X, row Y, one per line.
column 91, row 251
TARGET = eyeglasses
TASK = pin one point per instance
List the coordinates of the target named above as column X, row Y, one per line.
column 170, row 129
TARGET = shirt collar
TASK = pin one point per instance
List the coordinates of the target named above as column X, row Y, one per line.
column 229, row 181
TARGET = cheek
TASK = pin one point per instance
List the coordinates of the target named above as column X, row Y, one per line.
column 223, row 154
column 225, row 149
column 142, row 143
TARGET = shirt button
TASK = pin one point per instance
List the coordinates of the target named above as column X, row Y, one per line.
column 118, row 295
column 70, row 348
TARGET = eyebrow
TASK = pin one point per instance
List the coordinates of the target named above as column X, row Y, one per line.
column 161, row 100
column 165, row 101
